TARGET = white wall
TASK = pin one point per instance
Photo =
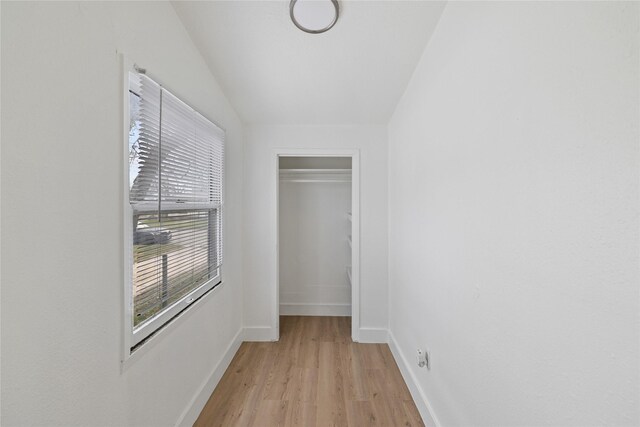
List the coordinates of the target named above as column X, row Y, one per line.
column 314, row 249
column 259, row 213
column 514, row 226
column 62, row 242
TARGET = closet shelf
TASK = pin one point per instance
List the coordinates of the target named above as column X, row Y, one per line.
column 315, row 175
column 349, row 274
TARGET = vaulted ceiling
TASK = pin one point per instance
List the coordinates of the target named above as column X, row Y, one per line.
column 274, row 73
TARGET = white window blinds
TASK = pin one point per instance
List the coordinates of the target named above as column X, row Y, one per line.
column 176, row 180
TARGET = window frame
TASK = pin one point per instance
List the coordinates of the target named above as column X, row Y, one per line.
column 134, row 340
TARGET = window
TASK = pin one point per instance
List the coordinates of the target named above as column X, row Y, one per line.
column 175, row 206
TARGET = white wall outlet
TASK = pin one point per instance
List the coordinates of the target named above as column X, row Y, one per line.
column 422, row 361
column 424, row 358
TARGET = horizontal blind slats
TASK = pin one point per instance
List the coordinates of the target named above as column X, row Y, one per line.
column 176, row 197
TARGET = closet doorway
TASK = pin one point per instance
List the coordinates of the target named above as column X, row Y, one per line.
column 317, row 235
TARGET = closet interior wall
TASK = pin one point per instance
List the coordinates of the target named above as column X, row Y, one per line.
column 315, row 230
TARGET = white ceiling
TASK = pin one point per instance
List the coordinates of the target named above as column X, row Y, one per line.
column 274, row 73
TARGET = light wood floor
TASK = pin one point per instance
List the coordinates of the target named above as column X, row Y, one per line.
column 314, row 376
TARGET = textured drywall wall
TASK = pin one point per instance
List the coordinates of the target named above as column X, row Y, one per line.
column 259, row 213
column 514, row 226
column 62, row 243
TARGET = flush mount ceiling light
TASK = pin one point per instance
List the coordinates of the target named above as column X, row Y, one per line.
column 314, row 16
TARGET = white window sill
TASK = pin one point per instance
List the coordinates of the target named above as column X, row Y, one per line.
column 131, row 358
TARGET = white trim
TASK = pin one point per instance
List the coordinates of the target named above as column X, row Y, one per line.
column 374, row 335
column 417, row 393
column 259, row 333
column 310, row 309
column 139, row 353
column 143, row 207
column 127, row 212
column 200, row 398
column 275, row 307
column 355, row 230
column 355, row 246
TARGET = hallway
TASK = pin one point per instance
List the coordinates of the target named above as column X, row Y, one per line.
column 315, row 375
column 454, row 185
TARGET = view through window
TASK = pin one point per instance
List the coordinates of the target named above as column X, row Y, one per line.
column 175, row 194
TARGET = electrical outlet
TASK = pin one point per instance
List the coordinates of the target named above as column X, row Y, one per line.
column 424, row 358
column 421, row 356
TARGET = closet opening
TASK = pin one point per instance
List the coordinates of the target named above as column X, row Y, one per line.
column 317, row 260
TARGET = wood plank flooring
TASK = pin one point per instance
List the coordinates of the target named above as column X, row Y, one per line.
column 314, row 376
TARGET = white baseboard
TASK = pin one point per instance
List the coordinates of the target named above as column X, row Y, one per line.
column 191, row 413
column 259, row 333
column 373, row 336
column 309, row 309
column 419, row 397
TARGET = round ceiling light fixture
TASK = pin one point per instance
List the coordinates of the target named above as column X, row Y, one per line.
column 314, row 16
